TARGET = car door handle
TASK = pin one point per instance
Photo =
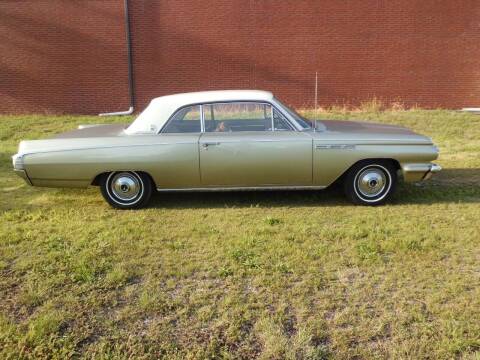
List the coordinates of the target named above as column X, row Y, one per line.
column 207, row 144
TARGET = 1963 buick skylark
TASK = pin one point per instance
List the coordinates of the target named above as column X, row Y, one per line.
column 227, row 140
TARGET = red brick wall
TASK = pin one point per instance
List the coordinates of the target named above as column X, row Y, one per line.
column 62, row 56
column 70, row 56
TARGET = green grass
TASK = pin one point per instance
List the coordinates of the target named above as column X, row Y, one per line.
column 296, row 275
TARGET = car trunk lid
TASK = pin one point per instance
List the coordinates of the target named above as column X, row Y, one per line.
column 89, row 131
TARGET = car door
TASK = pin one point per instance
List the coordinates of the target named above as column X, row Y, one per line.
column 249, row 144
column 174, row 158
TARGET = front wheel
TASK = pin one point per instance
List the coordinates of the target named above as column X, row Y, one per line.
column 370, row 182
column 126, row 189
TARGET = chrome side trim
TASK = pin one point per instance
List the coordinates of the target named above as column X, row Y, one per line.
column 244, row 188
column 112, row 147
column 234, row 141
column 207, row 144
column 354, row 142
column 196, row 141
column 335, row 147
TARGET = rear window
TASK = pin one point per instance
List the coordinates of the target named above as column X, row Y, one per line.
column 185, row 120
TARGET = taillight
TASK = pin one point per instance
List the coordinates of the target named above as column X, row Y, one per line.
column 18, row 162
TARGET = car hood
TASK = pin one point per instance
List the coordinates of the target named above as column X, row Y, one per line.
column 354, row 131
column 89, row 131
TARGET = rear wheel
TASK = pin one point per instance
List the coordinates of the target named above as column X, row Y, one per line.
column 126, row 189
column 370, row 182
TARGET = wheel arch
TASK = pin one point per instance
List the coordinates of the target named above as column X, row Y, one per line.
column 97, row 180
column 341, row 178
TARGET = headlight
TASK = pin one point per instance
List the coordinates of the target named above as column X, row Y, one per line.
column 18, row 162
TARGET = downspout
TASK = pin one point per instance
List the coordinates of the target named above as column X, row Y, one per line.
column 471, row 109
column 131, row 94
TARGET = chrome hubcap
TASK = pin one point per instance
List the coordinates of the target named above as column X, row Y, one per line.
column 125, row 186
column 371, row 182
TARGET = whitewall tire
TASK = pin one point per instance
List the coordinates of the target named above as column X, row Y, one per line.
column 370, row 182
column 126, row 189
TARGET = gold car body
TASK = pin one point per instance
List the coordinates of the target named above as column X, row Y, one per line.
column 312, row 158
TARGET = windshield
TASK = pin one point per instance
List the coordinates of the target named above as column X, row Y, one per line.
column 304, row 123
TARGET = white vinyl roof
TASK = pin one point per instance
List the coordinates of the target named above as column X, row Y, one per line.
column 160, row 109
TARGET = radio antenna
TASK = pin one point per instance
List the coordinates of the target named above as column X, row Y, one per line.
column 316, row 102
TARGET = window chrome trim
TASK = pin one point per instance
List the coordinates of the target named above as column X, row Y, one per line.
column 286, row 113
column 258, row 102
column 271, row 117
column 170, row 119
column 293, row 124
column 202, row 120
column 289, row 124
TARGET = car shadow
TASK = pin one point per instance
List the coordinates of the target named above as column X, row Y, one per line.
column 449, row 186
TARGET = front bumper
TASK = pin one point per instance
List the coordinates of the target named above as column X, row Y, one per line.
column 419, row 172
column 433, row 169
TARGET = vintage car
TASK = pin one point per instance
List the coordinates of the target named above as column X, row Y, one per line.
column 227, row 140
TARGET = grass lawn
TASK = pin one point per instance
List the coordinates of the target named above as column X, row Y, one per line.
column 296, row 275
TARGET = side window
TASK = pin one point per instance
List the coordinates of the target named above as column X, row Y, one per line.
column 279, row 122
column 185, row 120
column 237, row 116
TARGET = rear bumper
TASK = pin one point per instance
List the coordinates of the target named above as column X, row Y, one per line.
column 419, row 172
column 23, row 175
